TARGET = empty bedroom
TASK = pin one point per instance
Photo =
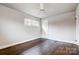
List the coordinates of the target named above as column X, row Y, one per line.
column 39, row 29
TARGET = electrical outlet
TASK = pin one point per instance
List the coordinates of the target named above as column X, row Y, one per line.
column 75, row 40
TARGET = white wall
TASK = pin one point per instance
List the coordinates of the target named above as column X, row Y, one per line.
column 62, row 27
column 12, row 27
column 45, row 28
column 77, row 25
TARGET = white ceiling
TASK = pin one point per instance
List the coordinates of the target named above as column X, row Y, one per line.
column 50, row 8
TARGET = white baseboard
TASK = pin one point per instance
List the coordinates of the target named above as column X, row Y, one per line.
column 9, row 45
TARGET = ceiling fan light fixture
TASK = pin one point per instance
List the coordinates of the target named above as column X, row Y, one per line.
column 42, row 11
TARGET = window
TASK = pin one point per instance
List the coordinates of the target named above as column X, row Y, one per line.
column 30, row 22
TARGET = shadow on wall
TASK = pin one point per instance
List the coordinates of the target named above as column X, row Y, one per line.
column 4, row 41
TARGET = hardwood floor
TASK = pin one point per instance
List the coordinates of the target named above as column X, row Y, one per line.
column 17, row 49
column 65, row 50
column 47, row 47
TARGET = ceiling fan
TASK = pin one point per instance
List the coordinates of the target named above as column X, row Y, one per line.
column 42, row 10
